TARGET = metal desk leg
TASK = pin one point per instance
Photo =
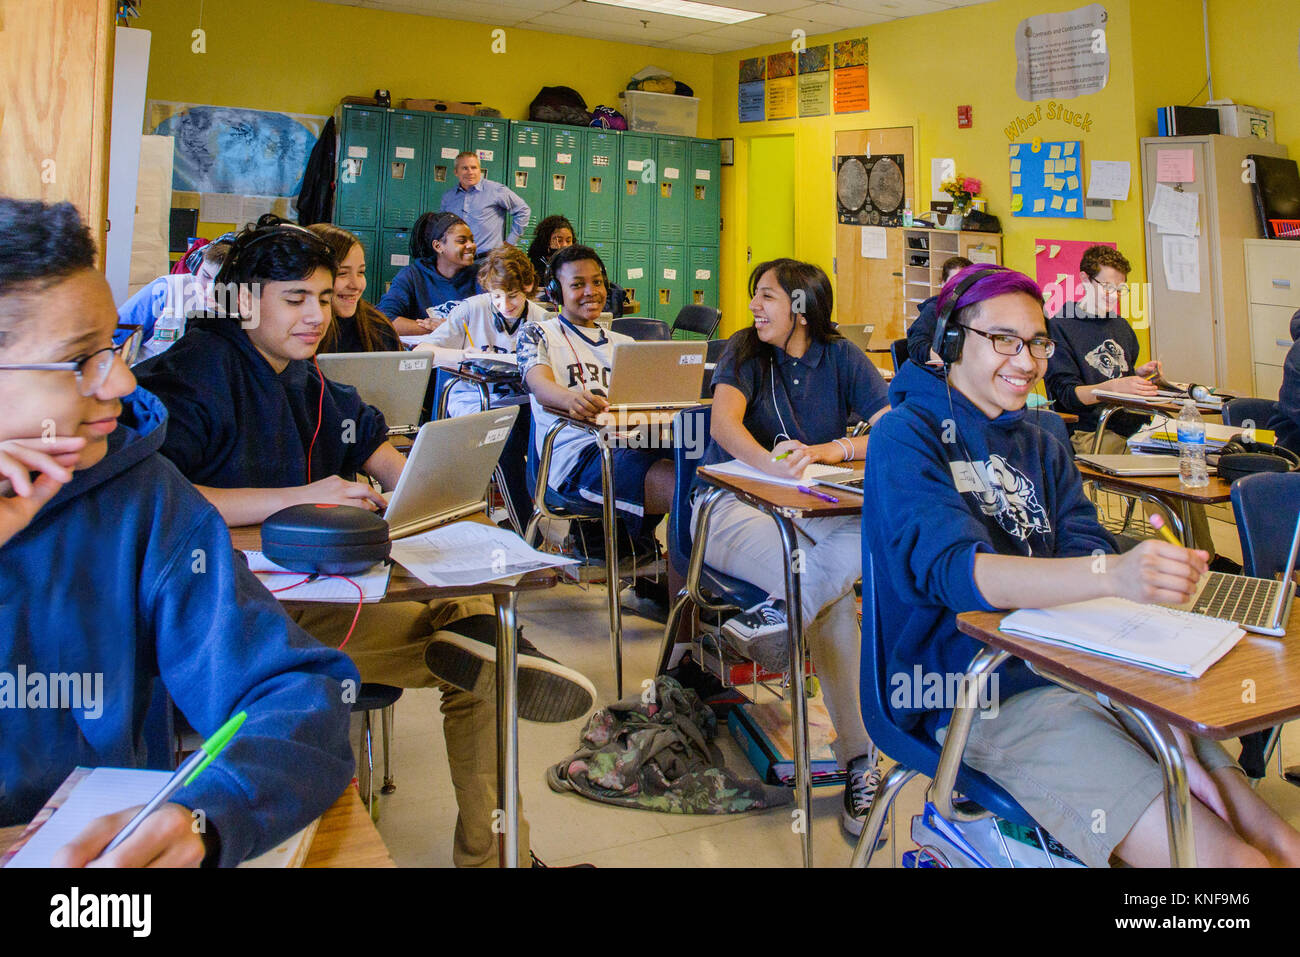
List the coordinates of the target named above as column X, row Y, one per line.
column 1189, row 530
column 613, row 583
column 1102, row 419
column 799, row 707
column 507, row 732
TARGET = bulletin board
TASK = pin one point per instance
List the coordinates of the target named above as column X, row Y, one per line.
column 1056, row 267
column 1047, row 180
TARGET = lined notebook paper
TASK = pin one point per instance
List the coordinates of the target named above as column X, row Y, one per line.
column 738, row 469
column 329, row 588
column 1151, row 636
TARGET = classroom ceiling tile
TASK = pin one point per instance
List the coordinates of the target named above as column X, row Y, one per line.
column 841, row 18
column 658, row 27
column 603, row 13
column 893, row 9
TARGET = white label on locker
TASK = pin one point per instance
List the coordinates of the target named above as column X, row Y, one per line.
column 528, row 162
column 494, row 436
column 449, row 152
column 703, row 274
column 634, row 166
column 358, row 152
column 703, row 174
column 599, row 160
column 564, row 158
column 635, row 273
column 399, row 260
column 671, row 172
column 695, row 360
column 670, row 273
column 412, row 365
column 405, row 153
column 485, row 156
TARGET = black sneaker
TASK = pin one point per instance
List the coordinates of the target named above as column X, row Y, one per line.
column 548, row 690
column 760, row 634
column 860, row 793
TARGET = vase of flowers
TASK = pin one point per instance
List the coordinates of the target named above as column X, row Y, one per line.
column 962, row 189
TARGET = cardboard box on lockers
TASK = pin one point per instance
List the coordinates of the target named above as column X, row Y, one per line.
column 1236, row 119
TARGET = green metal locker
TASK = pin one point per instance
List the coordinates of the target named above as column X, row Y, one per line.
column 491, row 140
column 600, row 191
column 608, row 253
column 703, row 205
column 360, row 159
column 527, row 175
column 403, row 168
column 448, row 135
column 367, row 240
column 394, row 255
column 564, row 170
column 640, row 178
column 668, row 294
column 673, row 185
column 701, row 281
column 635, row 274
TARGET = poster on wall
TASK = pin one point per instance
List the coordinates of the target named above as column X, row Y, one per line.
column 869, row 190
column 815, row 81
column 1062, row 54
column 782, row 92
column 752, row 74
column 1056, row 268
column 1047, row 180
column 851, row 88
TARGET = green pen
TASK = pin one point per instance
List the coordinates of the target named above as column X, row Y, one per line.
column 777, row 458
column 190, row 769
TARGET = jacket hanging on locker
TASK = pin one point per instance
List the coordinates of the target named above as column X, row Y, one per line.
column 316, row 199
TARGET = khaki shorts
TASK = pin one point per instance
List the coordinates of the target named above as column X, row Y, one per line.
column 1112, row 443
column 1079, row 770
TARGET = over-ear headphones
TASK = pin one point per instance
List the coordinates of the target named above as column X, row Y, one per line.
column 1240, row 457
column 553, row 290
column 248, row 239
column 949, row 336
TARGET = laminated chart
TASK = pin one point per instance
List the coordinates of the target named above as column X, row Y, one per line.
column 1047, row 180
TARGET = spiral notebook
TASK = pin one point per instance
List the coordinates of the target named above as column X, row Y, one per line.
column 1150, row 636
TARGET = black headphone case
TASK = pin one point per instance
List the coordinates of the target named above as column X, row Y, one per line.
column 325, row 539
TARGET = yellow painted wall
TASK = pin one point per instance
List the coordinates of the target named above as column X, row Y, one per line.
column 1254, row 59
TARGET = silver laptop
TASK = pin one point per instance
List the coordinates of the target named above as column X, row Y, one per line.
column 393, row 382
column 1256, row 604
column 446, row 474
column 1133, row 464
column 860, row 336
column 656, row 375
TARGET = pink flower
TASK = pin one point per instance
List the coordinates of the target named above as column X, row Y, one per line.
column 971, row 185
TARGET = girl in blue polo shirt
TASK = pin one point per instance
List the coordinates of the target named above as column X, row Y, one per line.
column 441, row 273
column 788, row 384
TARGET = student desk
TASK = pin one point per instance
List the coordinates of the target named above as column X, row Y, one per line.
column 1210, row 706
column 785, row 503
column 403, row 586
column 1111, row 404
column 1168, row 494
column 345, row 837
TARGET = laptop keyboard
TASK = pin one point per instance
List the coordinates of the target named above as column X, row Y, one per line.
column 1247, row 601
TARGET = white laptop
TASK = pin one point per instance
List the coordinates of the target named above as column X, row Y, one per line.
column 446, row 474
column 656, row 375
column 1133, row 464
column 860, row 336
column 1256, row 604
column 393, row 382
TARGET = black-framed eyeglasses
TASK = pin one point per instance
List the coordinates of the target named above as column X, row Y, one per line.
column 1005, row 344
column 92, row 371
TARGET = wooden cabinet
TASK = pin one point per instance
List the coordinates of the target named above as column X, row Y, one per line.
column 924, row 253
column 1273, row 291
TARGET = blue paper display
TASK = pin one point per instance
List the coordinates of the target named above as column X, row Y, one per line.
column 1047, row 183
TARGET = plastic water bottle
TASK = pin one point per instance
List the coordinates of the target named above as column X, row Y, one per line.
column 1191, row 447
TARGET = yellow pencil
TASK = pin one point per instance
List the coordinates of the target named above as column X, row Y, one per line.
column 1158, row 523
column 468, row 336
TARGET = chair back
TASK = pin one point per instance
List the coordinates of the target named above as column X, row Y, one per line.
column 642, row 328
column 697, row 319
column 912, row 749
column 1237, row 412
column 898, row 352
column 1266, row 505
column 692, row 424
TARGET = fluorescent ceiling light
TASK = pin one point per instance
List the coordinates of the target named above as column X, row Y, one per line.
column 686, row 8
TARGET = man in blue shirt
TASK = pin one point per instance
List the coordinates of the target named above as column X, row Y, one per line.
column 484, row 205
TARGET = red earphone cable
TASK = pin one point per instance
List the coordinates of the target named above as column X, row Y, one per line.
column 320, row 407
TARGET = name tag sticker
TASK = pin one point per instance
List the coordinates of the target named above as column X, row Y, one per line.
column 671, row 172
column 358, row 152
column 565, row 158
column 703, row 273
column 692, row 360
column 399, row 260
column 528, row 162
column 965, row 477
column 703, row 174
column 636, row 273
column 485, row 156
column 634, row 166
column 412, row 365
column 494, row 436
column 449, row 152
column 670, row 274
column 405, row 153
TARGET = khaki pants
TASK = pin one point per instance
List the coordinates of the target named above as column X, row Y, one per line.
column 387, row 647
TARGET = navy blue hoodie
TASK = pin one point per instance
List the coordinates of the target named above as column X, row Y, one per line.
column 920, row 334
column 128, row 572
column 1090, row 350
column 419, row 286
column 1286, row 418
column 232, row 418
column 1023, row 496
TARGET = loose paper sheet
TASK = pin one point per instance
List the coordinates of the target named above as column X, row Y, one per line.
column 875, row 242
column 1182, row 263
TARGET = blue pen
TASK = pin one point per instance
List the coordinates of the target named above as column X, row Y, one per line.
column 821, row 495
